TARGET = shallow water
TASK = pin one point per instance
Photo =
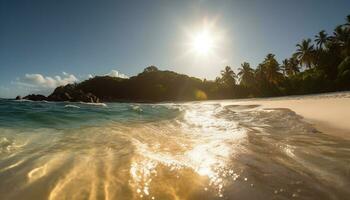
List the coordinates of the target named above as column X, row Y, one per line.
column 198, row 150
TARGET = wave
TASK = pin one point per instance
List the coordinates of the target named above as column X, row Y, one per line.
column 136, row 108
column 23, row 100
column 195, row 150
column 71, row 106
column 94, row 104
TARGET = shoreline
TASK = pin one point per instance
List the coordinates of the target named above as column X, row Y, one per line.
column 328, row 114
column 335, row 94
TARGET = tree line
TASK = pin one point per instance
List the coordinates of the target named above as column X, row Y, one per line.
column 318, row 65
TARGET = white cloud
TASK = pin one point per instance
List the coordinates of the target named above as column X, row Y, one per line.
column 41, row 84
column 115, row 73
column 40, row 81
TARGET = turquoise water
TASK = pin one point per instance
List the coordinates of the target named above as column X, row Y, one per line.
column 194, row 150
column 69, row 115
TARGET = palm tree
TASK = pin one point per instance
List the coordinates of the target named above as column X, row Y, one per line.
column 246, row 74
column 321, row 39
column 285, row 67
column 260, row 74
column 305, row 53
column 347, row 24
column 294, row 65
column 340, row 35
column 341, row 39
column 272, row 69
column 228, row 76
column 269, row 70
column 290, row 66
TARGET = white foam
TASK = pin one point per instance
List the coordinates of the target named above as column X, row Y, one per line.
column 71, row 106
column 136, row 108
column 94, row 104
column 24, row 100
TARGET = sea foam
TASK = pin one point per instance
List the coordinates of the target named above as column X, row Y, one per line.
column 71, row 106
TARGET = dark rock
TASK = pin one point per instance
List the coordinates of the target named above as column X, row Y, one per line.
column 18, row 97
column 70, row 92
column 67, row 96
column 35, row 97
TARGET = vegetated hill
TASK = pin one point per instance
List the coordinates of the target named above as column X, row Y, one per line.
column 317, row 66
column 150, row 85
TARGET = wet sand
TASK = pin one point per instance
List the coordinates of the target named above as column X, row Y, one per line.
column 328, row 114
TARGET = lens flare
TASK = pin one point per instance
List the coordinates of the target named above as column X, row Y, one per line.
column 203, row 42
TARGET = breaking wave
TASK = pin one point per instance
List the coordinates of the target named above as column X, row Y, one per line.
column 204, row 150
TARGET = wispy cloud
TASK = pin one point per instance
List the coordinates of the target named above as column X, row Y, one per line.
column 115, row 73
column 40, row 81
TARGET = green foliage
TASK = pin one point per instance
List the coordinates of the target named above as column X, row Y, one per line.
column 313, row 68
column 228, row 77
column 151, row 68
column 151, row 85
column 246, row 74
column 290, row 66
column 305, row 53
column 343, row 79
column 343, row 66
column 321, row 39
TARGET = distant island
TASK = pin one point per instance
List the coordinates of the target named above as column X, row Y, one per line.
column 321, row 65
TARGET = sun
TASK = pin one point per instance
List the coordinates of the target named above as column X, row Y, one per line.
column 205, row 41
column 202, row 42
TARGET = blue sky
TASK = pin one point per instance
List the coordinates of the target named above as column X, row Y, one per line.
column 55, row 42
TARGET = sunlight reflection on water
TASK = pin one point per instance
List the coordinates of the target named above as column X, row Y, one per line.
column 208, row 151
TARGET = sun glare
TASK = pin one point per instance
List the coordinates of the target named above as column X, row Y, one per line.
column 203, row 42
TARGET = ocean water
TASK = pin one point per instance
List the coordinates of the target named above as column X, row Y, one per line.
column 194, row 150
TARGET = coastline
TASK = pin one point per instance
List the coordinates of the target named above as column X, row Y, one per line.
column 328, row 113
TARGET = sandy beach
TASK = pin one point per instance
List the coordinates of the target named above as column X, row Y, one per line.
column 328, row 113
